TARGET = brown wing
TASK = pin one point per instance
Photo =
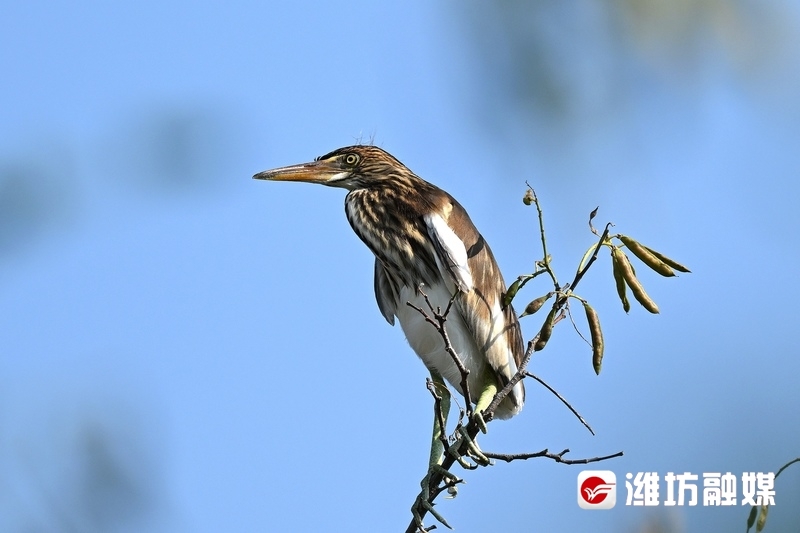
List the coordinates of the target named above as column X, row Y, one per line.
column 385, row 293
column 496, row 330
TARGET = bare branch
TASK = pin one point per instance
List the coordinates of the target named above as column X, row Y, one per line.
column 438, row 321
column 563, row 400
column 488, row 413
column 546, row 259
column 580, row 273
column 557, row 457
column 575, row 326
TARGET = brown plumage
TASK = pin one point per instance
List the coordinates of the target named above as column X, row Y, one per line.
column 423, row 240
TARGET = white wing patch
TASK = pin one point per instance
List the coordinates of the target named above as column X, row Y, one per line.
column 451, row 255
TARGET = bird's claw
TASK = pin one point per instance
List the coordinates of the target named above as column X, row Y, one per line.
column 429, row 508
column 423, row 499
column 477, row 416
column 447, row 477
column 473, row 450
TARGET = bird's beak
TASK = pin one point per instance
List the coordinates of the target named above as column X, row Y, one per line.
column 323, row 172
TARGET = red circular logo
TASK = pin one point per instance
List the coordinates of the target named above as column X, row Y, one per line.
column 594, row 490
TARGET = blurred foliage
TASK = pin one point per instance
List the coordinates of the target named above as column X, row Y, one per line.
column 172, row 149
column 676, row 35
column 79, row 473
column 35, row 193
column 573, row 63
column 108, row 490
column 158, row 152
column 660, row 521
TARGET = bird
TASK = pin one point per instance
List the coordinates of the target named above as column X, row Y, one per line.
column 426, row 246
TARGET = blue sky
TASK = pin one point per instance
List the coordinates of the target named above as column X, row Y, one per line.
column 206, row 348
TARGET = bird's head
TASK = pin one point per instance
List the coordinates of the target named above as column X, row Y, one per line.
column 351, row 167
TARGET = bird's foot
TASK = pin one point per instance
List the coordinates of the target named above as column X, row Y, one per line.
column 423, row 501
column 473, row 451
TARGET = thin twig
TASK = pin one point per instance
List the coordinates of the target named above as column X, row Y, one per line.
column 580, row 273
column 797, row 460
column 557, row 457
column 528, row 277
column 488, row 413
column 563, row 400
column 546, row 259
column 575, row 326
column 438, row 322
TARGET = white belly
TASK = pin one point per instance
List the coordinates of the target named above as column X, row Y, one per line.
column 428, row 343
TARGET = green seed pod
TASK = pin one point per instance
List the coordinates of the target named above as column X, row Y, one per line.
column 597, row 337
column 545, row 332
column 536, row 304
column 762, row 518
column 630, row 278
column 751, row 518
column 510, row 293
column 671, row 262
column 620, row 280
column 647, row 257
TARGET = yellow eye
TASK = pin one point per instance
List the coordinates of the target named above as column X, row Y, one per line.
column 351, row 159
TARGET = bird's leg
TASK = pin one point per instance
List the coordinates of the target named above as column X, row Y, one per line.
column 438, row 440
column 488, row 391
column 440, row 414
